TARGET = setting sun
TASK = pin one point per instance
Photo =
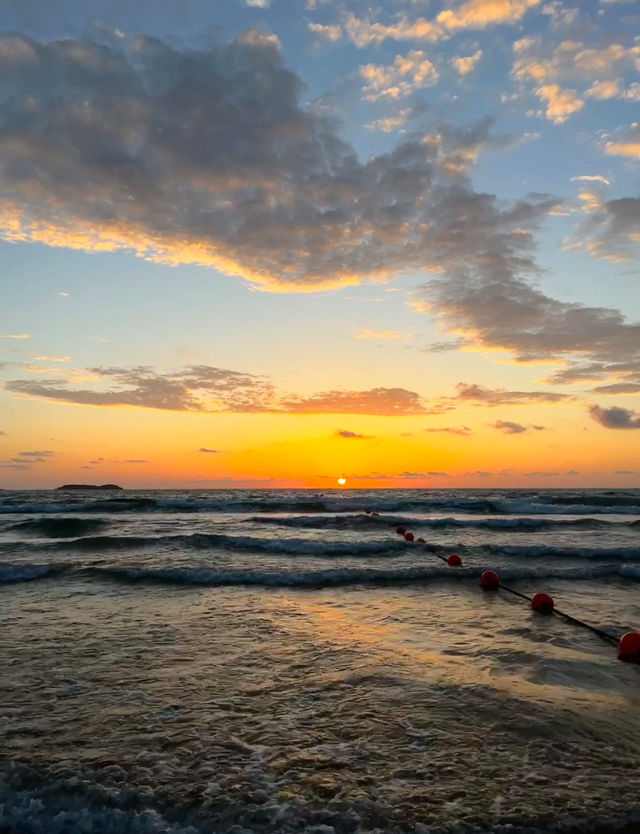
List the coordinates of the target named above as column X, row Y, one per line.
column 342, row 481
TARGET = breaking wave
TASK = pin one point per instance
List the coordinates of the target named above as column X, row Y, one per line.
column 27, row 573
column 344, row 576
column 362, row 521
column 59, row 528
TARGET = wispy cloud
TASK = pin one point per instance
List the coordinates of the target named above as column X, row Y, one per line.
column 52, row 358
column 352, row 435
column 500, row 396
column 472, row 15
column 394, row 335
column 383, row 401
column 208, row 451
column 591, row 178
column 15, row 336
column 463, row 431
column 507, row 427
column 46, row 453
column 204, row 388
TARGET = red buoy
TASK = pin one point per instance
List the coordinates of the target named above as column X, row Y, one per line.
column 421, row 541
column 629, row 647
column 454, row 561
column 401, row 531
column 542, row 603
column 490, row 580
column 408, row 537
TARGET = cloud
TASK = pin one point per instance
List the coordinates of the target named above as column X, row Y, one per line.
column 135, row 461
column 615, row 418
column 351, row 435
column 611, row 228
column 398, row 120
column 207, row 389
column 268, row 189
column 591, row 178
column 46, row 453
column 393, row 335
column 15, row 336
column 618, row 388
column 627, row 374
column 464, row 431
column 52, row 358
column 208, row 451
column 600, row 72
column 499, row 396
column 412, row 476
column 488, row 299
column 331, row 33
column 194, row 388
column 464, row 66
column 407, row 74
column 257, row 4
column 560, row 104
column 384, row 401
column 604, row 90
column 64, row 294
column 390, row 123
column 474, row 14
column 507, row 427
column 626, row 143
column 631, row 149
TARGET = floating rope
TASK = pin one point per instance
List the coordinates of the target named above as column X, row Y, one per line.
column 628, row 645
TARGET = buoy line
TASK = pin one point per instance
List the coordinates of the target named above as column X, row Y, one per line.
column 628, row 645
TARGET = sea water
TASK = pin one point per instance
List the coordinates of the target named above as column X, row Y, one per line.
column 283, row 661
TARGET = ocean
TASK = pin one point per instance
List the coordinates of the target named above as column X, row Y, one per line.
column 283, row 661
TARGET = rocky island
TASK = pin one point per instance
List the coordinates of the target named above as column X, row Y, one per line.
column 89, row 486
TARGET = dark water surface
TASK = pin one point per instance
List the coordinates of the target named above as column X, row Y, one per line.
column 280, row 661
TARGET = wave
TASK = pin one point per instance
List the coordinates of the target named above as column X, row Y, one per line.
column 388, row 548
column 58, row 528
column 210, row 541
column 498, row 503
column 344, row 576
column 355, row 522
column 336, row 577
column 27, row 573
column 539, row 551
column 162, row 505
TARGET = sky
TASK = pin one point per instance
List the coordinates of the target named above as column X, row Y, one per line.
column 274, row 243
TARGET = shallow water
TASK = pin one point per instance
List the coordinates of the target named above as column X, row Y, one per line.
column 217, row 662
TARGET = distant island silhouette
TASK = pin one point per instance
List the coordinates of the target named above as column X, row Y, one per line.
column 89, row 486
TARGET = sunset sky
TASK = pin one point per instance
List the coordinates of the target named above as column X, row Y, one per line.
column 272, row 243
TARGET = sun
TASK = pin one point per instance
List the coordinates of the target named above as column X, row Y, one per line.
column 342, row 481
